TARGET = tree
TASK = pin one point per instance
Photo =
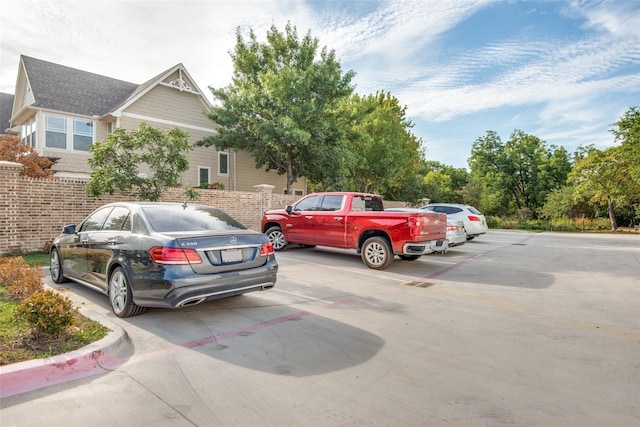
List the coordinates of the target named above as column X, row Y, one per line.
column 282, row 103
column 381, row 155
column 627, row 132
column 12, row 149
column 445, row 183
column 603, row 177
column 488, row 175
column 140, row 162
column 517, row 175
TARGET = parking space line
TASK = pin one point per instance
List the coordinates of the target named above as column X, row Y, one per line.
column 297, row 295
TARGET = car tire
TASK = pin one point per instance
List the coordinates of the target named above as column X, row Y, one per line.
column 376, row 253
column 276, row 237
column 55, row 267
column 120, row 296
column 409, row 257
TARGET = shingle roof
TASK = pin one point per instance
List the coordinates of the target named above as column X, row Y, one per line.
column 61, row 88
column 6, row 106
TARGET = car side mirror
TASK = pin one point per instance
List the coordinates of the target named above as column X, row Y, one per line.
column 289, row 209
column 69, row 229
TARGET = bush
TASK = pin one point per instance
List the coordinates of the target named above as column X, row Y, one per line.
column 47, row 311
column 20, row 280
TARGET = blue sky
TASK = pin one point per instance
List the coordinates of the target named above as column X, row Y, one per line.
column 564, row 71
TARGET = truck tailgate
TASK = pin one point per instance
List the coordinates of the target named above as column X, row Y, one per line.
column 433, row 225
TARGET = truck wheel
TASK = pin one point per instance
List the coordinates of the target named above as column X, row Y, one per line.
column 409, row 257
column 276, row 237
column 376, row 253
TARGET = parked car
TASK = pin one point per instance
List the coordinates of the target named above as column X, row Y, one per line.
column 475, row 223
column 163, row 255
column 455, row 229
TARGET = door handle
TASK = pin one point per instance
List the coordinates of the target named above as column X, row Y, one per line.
column 308, row 217
column 338, row 218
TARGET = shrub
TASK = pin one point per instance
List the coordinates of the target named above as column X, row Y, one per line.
column 47, row 311
column 19, row 279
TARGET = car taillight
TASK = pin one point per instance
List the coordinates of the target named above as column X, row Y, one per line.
column 414, row 226
column 266, row 249
column 473, row 218
column 174, row 256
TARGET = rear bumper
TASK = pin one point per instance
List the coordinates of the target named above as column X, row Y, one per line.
column 194, row 289
column 424, row 248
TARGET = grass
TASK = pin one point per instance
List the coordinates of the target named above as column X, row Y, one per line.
column 37, row 259
column 20, row 342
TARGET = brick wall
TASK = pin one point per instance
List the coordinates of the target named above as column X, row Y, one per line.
column 33, row 211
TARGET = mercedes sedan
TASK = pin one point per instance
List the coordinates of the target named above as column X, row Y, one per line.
column 162, row 255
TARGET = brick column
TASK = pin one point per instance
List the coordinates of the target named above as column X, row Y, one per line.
column 10, row 185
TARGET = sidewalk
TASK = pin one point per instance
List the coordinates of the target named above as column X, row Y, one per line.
column 101, row 356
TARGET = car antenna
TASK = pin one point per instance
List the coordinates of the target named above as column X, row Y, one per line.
column 184, row 205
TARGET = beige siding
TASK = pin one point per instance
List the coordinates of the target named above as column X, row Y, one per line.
column 248, row 176
column 172, row 105
column 69, row 161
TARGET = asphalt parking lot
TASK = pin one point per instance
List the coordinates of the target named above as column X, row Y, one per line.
column 510, row 329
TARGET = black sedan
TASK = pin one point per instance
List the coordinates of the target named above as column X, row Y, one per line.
column 163, row 255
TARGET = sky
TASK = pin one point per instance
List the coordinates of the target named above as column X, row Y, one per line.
column 563, row 71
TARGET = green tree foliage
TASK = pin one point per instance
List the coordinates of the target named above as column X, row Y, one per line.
column 281, row 106
column 602, row 176
column 627, row 133
column 445, row 183
column 380, row 155
column 518, row 175
column 141, row 162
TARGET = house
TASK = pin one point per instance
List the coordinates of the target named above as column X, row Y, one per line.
column 60, row 111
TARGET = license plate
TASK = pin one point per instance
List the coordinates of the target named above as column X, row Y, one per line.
column 439, row 242
column 231, row 255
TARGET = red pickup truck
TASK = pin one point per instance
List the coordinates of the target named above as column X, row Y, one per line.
column 358, row 221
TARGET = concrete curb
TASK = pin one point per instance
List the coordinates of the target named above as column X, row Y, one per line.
column 98, row 357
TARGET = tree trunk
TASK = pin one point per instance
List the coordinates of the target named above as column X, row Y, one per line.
column 612, row 217
column 289, row 177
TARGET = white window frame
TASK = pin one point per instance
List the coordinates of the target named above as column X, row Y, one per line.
column 69, row 131
column 28, row 132
column 60, row 131
column 75, row 133
column 220, row 163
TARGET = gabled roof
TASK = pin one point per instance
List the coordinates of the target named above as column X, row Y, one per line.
column 61, row 88
column 69, row 90
column 6, row 106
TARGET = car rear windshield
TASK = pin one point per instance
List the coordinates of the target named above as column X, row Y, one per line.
column 169, row 218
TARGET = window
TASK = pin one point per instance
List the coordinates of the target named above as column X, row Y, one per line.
column 95, row 221
column 28, row 132
column 203, row 175
column 55, row 132
column 331, row 203
column 62, row 132
column 308, row 204
column 118, row 220
column 223, row 163
column 109, row 128
column 82, row 134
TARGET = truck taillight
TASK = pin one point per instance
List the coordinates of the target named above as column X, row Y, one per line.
column 414, row 226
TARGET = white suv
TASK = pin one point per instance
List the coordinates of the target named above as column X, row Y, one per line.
column 475, row 223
